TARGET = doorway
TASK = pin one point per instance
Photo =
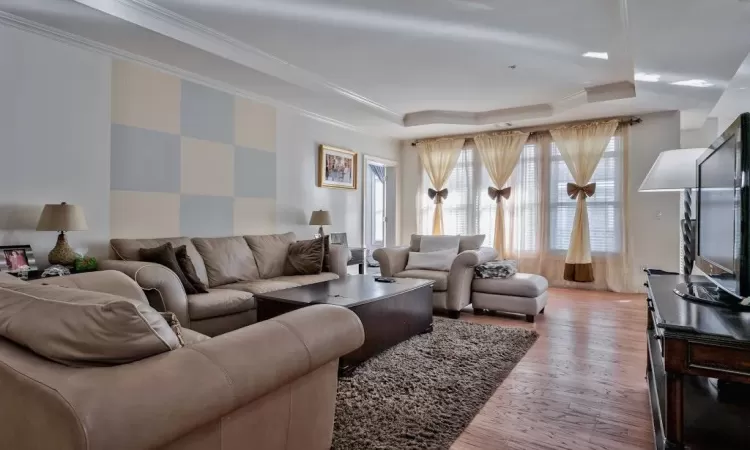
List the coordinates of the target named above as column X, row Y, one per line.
column 379, row 212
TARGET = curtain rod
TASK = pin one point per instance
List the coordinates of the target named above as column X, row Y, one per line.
column 630, row 120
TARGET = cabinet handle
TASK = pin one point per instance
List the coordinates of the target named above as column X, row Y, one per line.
column 645, row 284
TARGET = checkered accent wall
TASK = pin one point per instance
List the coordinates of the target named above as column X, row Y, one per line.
column 187, row 159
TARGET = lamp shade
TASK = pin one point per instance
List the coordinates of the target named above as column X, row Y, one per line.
column 62, row 217
column 674, row 170
column 320, row 218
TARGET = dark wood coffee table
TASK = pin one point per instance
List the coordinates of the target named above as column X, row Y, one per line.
column 390, row 312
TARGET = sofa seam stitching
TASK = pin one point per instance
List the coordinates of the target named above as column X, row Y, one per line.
column 223, row 371
column 297, row 335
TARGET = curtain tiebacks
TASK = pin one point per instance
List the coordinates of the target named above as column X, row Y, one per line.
column 575, row 190
column 498, row 194
column 437, row 196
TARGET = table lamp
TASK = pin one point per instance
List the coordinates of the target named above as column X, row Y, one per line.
column 674, row 170
column 321, row 218
column 62, row 218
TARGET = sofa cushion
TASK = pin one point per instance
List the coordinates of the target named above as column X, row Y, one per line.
column 188, row 268
column 440, row 278
column 10, row 279
column 219, row 302
column 165, row 255
column 438, row 243
column 127, row 250
column 301, row 280
column 82, row 328
column 305, row 257
column 260, row 286
column 519, row 285
column 464, row 242
column 193, row 337
column 270, row 252
column 439, row 260
column 227, row 259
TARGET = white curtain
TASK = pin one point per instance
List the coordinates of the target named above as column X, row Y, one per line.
column 499, row 153
column 539, row 214
column 438, row 158
column 581, row 147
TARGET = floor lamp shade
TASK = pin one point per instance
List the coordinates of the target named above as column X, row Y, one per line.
column 62, row 217
column 674, row 170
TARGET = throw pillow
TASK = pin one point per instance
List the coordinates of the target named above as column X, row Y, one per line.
column 437, row 243
column 440, row 260
column 82, row 328
column 165, row 255
column 186, row 264
column 174, row 324
column 326, row 253
column 305, row 257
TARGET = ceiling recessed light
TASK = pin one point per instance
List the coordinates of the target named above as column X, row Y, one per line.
column 597, row 55
column 693, row 83
column 648, row 77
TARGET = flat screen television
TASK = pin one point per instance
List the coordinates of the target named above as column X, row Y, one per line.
column 723, row 216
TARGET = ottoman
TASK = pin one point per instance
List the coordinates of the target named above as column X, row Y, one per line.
column 523, row 293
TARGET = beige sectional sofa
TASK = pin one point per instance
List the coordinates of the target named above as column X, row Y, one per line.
column 234, row 268
column 268, row 386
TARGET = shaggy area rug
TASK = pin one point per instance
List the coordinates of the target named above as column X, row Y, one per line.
column 422, row 393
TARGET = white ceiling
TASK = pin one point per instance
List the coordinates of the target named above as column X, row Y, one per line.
column 368, row 64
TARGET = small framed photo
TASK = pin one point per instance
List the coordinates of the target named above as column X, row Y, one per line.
column 16, row 258
column 337, row 168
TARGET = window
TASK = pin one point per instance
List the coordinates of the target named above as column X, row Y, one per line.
column 604, row 208
column 469, row 210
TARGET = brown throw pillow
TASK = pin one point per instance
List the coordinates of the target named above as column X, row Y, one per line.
column 305, row 257
column 186, row 264
column 174, row 324
column 326, row 253
column 164, row 255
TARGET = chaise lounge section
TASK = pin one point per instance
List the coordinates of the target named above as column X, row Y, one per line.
column 234, row 269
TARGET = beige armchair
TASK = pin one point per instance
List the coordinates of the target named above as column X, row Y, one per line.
column 267, row 386
column 452, row 290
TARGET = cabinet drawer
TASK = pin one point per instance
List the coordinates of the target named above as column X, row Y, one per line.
column 721, row 359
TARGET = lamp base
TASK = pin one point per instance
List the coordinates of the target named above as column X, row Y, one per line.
column 63, row 253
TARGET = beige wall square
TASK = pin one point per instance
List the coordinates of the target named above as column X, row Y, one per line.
column 254, row 125
column 254, row 215
column 144, row 214
column 207, row 168
column 145, row 98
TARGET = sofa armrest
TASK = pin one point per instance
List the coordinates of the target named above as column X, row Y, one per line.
column 339, row 256
column 163, row 288
column 462, row 273
column 149, row 403
column 392, row 259
column 106, row 281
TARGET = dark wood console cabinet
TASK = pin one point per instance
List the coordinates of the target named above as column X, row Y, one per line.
column 690, row 343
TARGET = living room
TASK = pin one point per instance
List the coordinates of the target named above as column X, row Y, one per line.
column 239, row 138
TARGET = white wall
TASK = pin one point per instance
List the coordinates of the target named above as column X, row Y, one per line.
column 700, row 137
column 654, row 217
column 411, row 179
column 54, row 139
column 297, row 194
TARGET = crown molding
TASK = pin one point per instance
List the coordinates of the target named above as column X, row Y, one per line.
column 39, row 29
column 168, row 23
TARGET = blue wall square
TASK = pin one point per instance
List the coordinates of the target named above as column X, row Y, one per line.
column 144, row 160
column 254, row 173
column 206, row 113
column 206, row 216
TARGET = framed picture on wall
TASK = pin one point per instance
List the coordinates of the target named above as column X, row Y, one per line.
column 14, row 258
column 337, row 168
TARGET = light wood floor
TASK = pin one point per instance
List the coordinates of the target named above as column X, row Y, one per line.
column 581, row 386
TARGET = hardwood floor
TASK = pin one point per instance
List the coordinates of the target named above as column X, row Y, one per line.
column 581, row 386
